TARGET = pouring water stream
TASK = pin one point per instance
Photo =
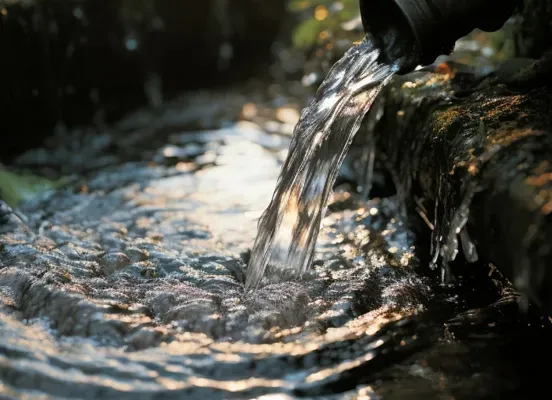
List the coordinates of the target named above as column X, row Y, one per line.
column 288, row 228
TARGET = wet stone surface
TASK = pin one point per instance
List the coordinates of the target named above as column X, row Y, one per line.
column 129, row 280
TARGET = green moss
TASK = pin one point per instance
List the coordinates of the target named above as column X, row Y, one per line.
column 444, row 118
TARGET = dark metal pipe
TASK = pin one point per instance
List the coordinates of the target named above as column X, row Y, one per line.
column 433, row 26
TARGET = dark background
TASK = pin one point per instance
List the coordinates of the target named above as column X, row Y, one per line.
column 88, row 62
column 66, row 63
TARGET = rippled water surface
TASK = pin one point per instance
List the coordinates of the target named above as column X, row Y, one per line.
column 129, row 282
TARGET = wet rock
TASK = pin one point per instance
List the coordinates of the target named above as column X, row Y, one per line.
column 476, row 151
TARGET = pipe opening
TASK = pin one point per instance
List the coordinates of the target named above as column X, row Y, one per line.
column 385, row 20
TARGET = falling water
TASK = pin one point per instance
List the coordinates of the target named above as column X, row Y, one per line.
column 288, row 228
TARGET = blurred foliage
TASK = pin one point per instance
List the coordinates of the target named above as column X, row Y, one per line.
column 14, row 188
column 496, row 46
column 323, row 20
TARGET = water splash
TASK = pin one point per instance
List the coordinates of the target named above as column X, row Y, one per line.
column 289, row 226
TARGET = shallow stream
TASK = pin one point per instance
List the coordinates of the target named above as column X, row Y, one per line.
column 129, row 281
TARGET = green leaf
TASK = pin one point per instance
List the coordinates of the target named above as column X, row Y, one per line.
column 306, row 33
column 14, row 188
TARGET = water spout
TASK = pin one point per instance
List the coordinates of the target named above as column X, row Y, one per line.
column 433, row 26
column 289, row 226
